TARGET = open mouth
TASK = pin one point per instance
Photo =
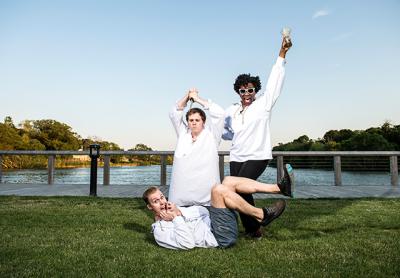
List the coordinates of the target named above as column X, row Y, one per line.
column 247, row 99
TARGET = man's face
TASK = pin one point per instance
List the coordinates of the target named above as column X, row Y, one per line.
column 247, row 94
column 195, row 123
column 157, row 202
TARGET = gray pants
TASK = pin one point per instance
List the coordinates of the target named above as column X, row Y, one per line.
column 224, row 226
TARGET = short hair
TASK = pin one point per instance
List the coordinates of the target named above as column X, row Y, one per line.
column 194, row 111
column 148, row 192
column 244, row 79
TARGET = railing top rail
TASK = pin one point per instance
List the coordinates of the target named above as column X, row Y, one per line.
column 18, row 152
column 337, row 153
column 278, row 153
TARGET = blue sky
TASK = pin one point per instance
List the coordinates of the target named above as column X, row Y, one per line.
column 113, row 69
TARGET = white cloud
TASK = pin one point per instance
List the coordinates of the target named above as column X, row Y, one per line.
column 320, row 13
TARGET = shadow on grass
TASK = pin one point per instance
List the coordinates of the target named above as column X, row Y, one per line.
column 140, row 229
column 292, row 224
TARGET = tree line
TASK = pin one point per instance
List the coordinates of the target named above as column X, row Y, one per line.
column 383, row 138
column 50, row 134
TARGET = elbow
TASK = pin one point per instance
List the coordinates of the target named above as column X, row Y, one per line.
column 187, row 245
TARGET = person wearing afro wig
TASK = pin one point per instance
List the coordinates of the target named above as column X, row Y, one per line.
column 247, row 124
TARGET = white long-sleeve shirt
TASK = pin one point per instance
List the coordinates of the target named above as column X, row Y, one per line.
column 250, row 130
column 195, row 169
column 192, row 229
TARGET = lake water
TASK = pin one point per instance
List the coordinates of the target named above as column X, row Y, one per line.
column 150, row 175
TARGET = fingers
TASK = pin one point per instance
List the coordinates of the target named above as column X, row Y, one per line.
column 169, row 206
column 167, row 215
column 286, row 44
column 193, row 93
column 193, row 90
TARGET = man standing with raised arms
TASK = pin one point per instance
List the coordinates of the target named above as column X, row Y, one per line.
column 247, row 124
column 195, row 169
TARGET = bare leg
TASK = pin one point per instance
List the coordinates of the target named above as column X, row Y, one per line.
column 249, row 186
column 224, row 196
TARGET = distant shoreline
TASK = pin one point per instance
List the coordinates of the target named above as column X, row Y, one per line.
column 100, row 165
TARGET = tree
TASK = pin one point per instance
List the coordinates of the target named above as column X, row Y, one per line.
column 53, row 134
column 365, row 141
column 104, row 146
column 9, row 138
column 141, row 147
column 337, row 135
column 9, row 122
column 144, row 159
column 391, row 134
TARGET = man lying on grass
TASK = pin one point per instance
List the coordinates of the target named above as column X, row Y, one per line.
column 198, row 226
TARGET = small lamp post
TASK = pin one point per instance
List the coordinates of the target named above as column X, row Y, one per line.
column 94, row 153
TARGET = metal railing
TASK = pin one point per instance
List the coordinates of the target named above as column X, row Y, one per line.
column 280, row 155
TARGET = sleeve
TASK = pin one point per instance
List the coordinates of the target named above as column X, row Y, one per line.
column 274, row 85
column 176, row 117
column 178, row 237
column 217, row 115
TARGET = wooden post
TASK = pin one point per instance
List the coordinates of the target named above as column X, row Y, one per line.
column 163, row 165
column 394, row 170
column 279, row 168
column 1, row 168
column 221, row 167
column 106, row 170
column 50, row 169
column 338, row 170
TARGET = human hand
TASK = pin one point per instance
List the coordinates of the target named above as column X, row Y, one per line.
column 168, row 215
column 286, row 45
column 193, row 94
column 171, row 207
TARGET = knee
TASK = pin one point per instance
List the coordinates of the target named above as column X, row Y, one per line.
column 228, row 180
column 218, row 190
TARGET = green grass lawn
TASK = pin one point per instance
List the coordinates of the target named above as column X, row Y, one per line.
column 82, row 236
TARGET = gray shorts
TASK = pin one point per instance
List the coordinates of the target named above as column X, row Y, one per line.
column 224, row 226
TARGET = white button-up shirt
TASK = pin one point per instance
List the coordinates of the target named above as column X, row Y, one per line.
column 195, row 169
column 192, row 229
column 249, row 129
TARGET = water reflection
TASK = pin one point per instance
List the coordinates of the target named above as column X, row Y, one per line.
column 150, row 175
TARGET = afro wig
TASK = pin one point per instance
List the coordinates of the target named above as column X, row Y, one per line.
column 244, row 79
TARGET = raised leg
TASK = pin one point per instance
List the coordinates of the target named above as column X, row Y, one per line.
column 223, row 196
column 249, row 186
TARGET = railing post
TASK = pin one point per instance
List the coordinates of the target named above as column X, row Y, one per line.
column 50, row 169
column 279, row 168
column 163, row 170
column 338, row 170
column 221, row 167
column 106, row 170
column 394, row 170
column 1, row 168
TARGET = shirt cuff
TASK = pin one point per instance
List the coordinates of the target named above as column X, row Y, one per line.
column 207, row 106
column 178, row 220
column 177, row 108
column 280, row 61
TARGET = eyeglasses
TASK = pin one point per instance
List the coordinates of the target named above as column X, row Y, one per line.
column 248, row 90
